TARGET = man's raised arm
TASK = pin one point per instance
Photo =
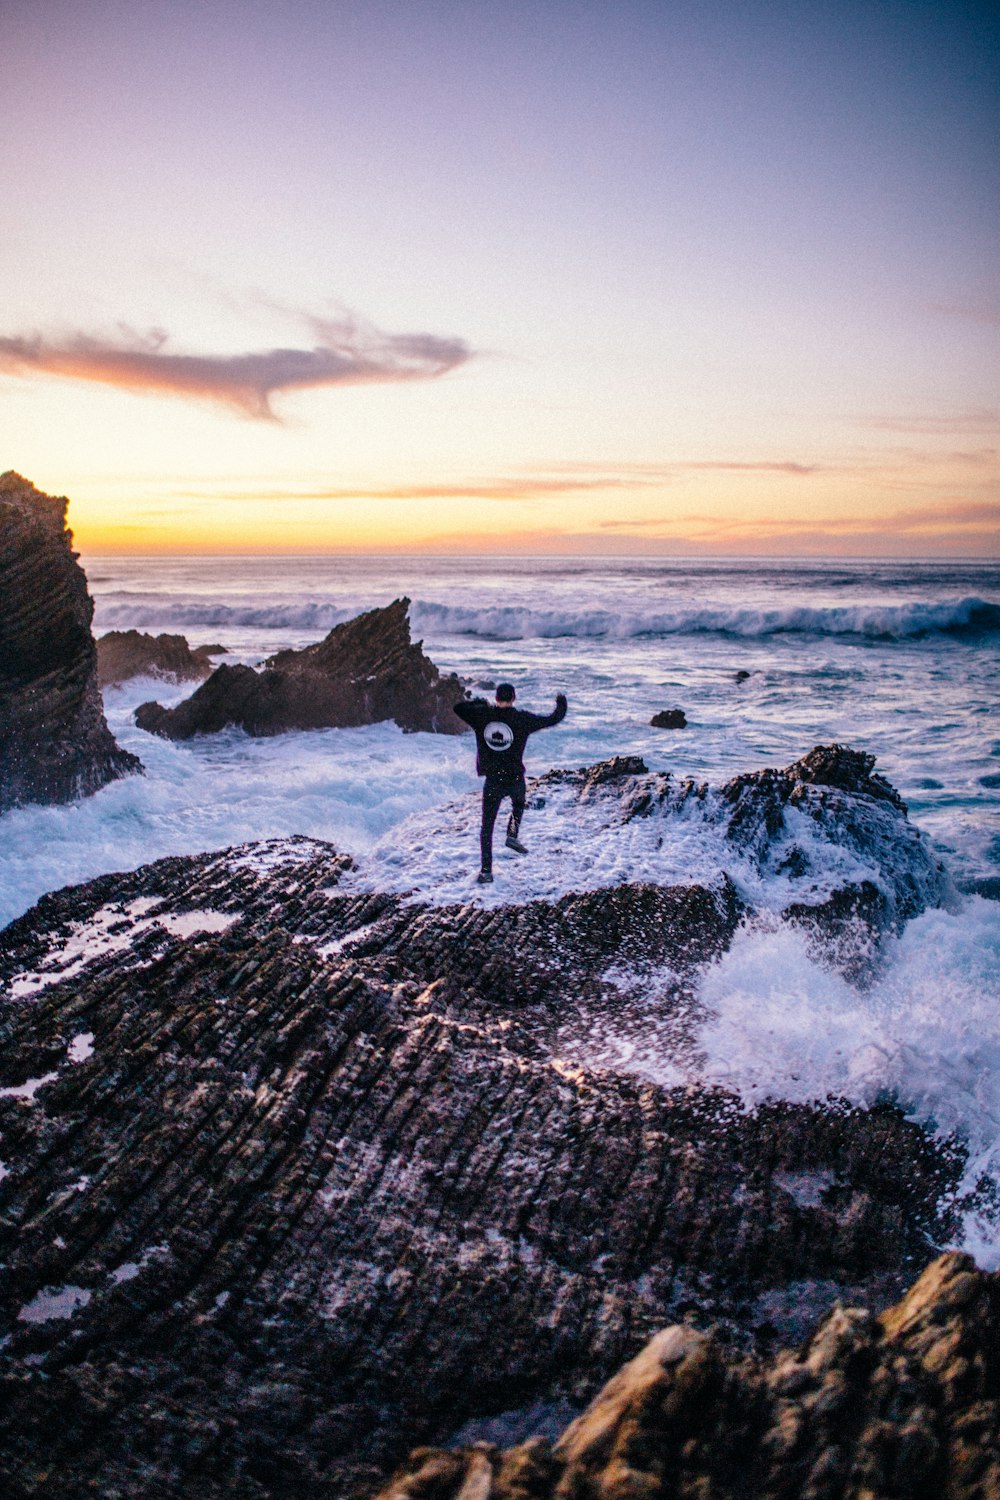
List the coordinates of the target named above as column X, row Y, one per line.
column 546, row 721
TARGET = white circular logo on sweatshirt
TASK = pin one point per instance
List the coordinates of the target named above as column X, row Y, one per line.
column 498, row 735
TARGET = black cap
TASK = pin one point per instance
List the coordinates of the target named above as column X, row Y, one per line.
column 505, row 692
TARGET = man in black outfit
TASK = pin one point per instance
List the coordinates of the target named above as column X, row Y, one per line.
column 501, row 733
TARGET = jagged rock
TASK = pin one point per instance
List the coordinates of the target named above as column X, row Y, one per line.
column 364, row 671
column 669, row 718
column 833, row 788
column 776, row 820
column 904, row 1405
column 122, row 654
column 298, row 1175
column 54, row 742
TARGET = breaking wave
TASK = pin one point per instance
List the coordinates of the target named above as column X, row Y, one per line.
column 155, row 612
column 880, row 622
column 966, row 616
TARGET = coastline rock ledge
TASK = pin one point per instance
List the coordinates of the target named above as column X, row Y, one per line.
column 55, row 744
column 366, row 670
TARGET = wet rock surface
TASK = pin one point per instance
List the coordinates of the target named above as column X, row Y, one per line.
column 669, row 718
column 904, row 1405
column 298, row 1174
column 122, row 654
column 366, row 670
column 778, row 821
column 54, row 742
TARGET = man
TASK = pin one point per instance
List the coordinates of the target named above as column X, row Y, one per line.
column 501, row 733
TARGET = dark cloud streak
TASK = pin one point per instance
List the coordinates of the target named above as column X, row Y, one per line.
column 349, row 352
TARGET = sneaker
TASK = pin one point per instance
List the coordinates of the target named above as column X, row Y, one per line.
column 485, row 877
column 515, row 844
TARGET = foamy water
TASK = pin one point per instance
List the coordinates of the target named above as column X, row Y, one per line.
column 926, row 1034
column 899, row 659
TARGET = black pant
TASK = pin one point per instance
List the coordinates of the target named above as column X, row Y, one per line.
column 493, row 794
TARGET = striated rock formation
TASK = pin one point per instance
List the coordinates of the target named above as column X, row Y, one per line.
column 297, row 1174
column 54, row 742
column 122, row 654
column 364, row 671
column 904, row 1405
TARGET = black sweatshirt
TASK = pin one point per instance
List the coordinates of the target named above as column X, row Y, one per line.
column 501, row 734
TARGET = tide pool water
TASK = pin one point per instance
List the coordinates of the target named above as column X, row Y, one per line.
column 766, row 659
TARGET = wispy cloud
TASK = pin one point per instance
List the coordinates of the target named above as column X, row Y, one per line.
column 557, row 479
column 784, row 467
column 674, row 467
column 500, row 487
column 976, row 516
column 976, row 419
column 951, row 513
column 348, row 351
column 635, row 523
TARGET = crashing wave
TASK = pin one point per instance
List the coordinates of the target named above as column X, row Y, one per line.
column 956, row 616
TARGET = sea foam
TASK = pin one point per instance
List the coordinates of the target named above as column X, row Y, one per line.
column 925, row 1033
column 910, row 621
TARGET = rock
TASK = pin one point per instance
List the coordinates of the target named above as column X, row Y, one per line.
column 122, row 654
column 906, row 1405
column 55, row 744
column 299, row 1175
column 669, row 718
column 833, row 793
column 782, row 822
column 364, row 671
column 742, row 675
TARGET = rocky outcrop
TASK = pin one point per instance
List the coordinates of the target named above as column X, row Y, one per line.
column 781, row 825
column 904, row 1405
column 298, row 1174
column 54, row 742
column 122, row 654
column 669, row 718
column 364, row 671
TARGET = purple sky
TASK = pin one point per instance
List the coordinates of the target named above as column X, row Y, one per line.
column 691, row 276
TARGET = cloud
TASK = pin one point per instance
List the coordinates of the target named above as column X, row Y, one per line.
column 785, row 467
column 951, row 513
column 976, row 419
column 635, row 523
column 671, row 469
column 348, row 352
column 974, row 514
column 501, row 487
column 557, row 479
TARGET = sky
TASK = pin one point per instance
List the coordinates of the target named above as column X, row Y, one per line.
column 552, row 276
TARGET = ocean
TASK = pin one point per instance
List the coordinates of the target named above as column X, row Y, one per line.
column 766, row 658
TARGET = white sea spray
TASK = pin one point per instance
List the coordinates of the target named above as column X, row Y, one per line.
column 925, row 1033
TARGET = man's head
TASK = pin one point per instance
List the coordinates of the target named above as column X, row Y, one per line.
column 505, row 692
